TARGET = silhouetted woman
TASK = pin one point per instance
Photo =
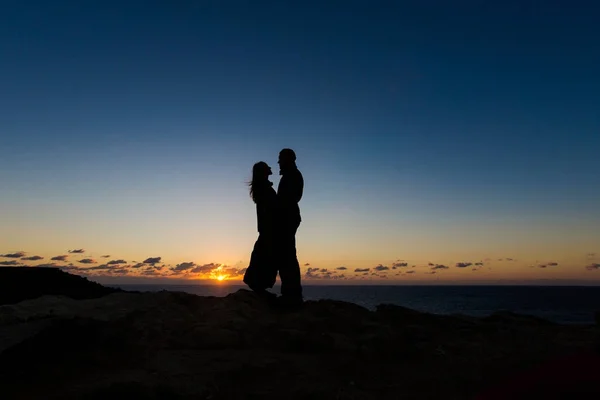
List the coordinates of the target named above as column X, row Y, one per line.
column 262, row 273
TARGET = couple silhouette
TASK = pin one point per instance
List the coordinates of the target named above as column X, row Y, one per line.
column 278, row 219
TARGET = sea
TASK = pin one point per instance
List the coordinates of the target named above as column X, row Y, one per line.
column 563, row 304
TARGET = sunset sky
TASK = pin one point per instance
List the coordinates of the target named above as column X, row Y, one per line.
column 461, row 137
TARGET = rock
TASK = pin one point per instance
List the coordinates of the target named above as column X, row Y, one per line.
column 22, row 283
column 182, row 346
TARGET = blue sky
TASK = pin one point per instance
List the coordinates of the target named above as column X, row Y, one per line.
column 446, row 130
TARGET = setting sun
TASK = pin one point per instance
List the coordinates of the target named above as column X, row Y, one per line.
column 221, row 277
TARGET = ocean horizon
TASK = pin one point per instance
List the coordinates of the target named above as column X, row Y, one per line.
column 562, row 304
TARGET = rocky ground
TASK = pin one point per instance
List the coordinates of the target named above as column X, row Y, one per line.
column 170, row 345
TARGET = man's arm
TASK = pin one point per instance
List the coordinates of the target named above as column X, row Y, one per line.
column 297, row 187
column 291, row 188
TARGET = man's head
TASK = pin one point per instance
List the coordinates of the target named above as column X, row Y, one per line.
column 287, row 159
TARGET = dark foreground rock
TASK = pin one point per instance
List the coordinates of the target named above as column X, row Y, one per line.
column 170, row 345
column 22, row 283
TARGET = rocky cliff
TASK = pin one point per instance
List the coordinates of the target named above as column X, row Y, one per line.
column 22, row 283
column 170, row 345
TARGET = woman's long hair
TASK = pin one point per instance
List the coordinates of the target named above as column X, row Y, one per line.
column 258, row 177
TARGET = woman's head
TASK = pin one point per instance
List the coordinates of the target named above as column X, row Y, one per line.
column 261, row 171
column 260, row 174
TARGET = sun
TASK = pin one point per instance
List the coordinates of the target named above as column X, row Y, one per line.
column 220, row 277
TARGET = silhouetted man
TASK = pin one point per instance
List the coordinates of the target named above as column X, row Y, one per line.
column 289, row 193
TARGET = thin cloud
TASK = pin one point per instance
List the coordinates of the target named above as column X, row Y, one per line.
column 115, row 262
column 440, row 266
column 47, row 265
column 552, row 264
column 99, row 267
column 106, row 256
column 138, row 265
column 232, row 271
column 202, row 269
column 431, row 264
column 152, row 260
column 323, row 270
column 59, row 258
column 119, row 271
column 479, row 264
column 18, row 254
column 542, row 266
column 11, row 263
column 87, row 261
column 32, row 258
column 184, row 266
column 381, row 268
column 362, row 269
column 77, row 251
column 150, row 272
column 593, row 267
column 399, row 264
column 307, row 264
column 341, row 268
column 411, row 272
column 463, row 264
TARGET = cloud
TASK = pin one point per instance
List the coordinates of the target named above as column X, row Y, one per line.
column 115, row 262
column 152, row 260
column 590, row 255
column 18, row 254
column 106, row 256
column 138, row 265
column 552, row 264
column 59, row 258
column 341, row 268
column 593, row 267
column 99, row 267
column 362, row 269
column 232, row 271
column 411, row 272
column 440, row 266
column 432, row 272
column 184, row 266
column 87, row 261
column 323, row 270
column 10, row 263
column 78, row 251
column 479, row 264
column 32, row 258
column 399, row 264
column 307, row 264
column 120, row 271
column 150, row 272
column 463, row 264
column 47, row 265
column 381, row 268
column 542, row 266
column 203, row 269
column 510, row 259
column 431, row 264
column 312, row 273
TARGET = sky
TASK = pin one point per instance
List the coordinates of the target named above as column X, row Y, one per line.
column 461, row 138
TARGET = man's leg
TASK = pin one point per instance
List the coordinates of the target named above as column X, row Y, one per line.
column 289, row 272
